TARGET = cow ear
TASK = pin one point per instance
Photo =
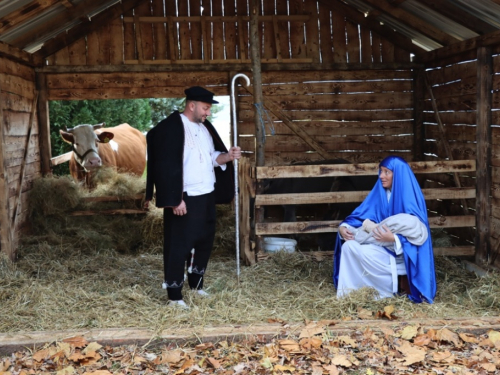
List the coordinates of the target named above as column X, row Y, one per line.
column 67, row 137
column 105, row 137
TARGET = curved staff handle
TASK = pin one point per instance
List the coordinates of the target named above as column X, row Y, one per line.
column 236, row 187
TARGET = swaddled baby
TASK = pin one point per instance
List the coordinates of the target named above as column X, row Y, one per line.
column 407, row 225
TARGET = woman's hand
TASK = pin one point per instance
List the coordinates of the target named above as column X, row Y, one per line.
column 346, row 233
column 383, row 234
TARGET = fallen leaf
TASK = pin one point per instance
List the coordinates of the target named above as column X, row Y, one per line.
column 76, row 357
column 494, row 336
column 389, row 309
column 92, row 347
column 98, row 372
column 348, row 341
column 412, row 353
column 289, row 345
column 172, row 356
column 284, row 368
column 317, row 370
column 139, row 359
column 311, row 330
column 77, row 341
column 332, row 369
column 445, row 356
column 490, row 367
column 341, row 360
column 422, row 340
column 40, row 355
column 467, row 337
column 409, row 332
column 446, row 335
column 266, row 363
column 66, row 371
column 310, row 343
column 365, row 314
column 215, row 363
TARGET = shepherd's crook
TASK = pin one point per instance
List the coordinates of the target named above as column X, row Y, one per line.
column 236, row 187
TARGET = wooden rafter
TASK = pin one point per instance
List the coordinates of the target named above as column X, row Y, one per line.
column 490, row 39
column 458, row 15
column 25, row 13
column 357, row 17
column 15, row 53
column 416, row 23
column 80, row 11
column 86, row 27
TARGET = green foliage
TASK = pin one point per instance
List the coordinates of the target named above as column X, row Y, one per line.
column 161, row 108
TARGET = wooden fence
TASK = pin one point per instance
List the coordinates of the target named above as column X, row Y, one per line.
column 327, row 170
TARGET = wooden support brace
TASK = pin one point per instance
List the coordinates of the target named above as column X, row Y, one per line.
column 275, row 109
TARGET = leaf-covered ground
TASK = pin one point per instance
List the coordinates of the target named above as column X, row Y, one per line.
column 318, row 349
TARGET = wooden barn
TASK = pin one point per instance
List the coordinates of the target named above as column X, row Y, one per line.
column 351, row 79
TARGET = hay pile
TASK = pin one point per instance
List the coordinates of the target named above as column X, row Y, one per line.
column 82, row 273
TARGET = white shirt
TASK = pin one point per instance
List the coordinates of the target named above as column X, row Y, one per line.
column 199, row 159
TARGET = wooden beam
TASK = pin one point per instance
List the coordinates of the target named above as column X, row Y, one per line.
column 16, row 54
column 61, row 21
column 483, row 153
column 460, row 16
column 25, row 13
column 6, row 242
column 491, row 39
column 44, row 124
column 327, row 226
column 418, row 117
column 19, row 189
column 414, row 22
column 225, row 67
column 365, row 169
column 87, row 26
column 354, row 15
column 63, row 158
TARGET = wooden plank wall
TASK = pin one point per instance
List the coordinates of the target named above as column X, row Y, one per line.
column 178, row 31
column 495, row 167
column 361, row 116
column 17, row 98
column 453, row 88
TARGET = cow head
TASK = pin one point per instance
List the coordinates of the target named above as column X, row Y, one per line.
column 85, row 144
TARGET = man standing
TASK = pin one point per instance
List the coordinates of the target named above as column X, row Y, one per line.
column 191, row 170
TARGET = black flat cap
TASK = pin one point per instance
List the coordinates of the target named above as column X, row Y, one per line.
column 200, row 94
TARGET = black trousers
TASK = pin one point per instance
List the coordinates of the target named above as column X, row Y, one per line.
column 182, row 234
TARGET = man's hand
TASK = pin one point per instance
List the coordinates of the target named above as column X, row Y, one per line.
column 180, row 209
column 146, row 205
column 346, row 233
column 383, row 234
column 234, row 153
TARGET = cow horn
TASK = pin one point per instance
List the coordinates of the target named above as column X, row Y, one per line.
column 98, row 126
column 68, row 130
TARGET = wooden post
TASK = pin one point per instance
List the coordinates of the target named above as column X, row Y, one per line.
column 6, row 243
column 418, row 110
column 483, row 153
column 43, row 124
column 258, row 101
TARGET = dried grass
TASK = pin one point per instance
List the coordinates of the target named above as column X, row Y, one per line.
column 86, row 276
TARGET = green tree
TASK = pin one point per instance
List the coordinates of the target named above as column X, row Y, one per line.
column 162, row 107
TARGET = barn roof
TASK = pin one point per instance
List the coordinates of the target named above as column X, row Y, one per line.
column 31, row 25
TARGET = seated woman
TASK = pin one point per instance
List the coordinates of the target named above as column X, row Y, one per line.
column 396, row 239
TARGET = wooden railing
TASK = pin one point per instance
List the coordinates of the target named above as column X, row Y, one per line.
column 328, row 170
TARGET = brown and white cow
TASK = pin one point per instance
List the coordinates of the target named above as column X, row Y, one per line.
column 122, row 147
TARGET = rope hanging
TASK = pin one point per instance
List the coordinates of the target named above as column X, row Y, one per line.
column 263, row 117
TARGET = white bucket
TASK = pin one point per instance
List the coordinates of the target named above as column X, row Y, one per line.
column 274, row 244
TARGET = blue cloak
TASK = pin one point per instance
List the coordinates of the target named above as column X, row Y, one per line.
column 406, row 197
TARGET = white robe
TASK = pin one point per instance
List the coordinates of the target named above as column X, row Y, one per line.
column 370, row 265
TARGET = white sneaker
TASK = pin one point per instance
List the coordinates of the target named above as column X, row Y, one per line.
column 179, row 303
column 201, row 292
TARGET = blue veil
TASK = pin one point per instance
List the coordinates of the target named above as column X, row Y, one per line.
column 406, row 197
